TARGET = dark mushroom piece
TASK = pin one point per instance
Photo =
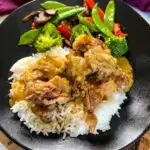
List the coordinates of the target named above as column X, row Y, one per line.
column 86, row 7
column 31, row 15
column 41, row 18
column 67, row 42
column 51, row 12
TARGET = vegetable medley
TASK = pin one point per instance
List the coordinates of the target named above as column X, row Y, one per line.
column 58, row 24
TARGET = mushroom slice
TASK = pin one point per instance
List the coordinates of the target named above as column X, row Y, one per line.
column 31, row 15
column 41, row 18
column 51, row 12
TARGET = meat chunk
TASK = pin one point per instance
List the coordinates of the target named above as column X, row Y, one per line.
column 95, row 94
column 104, row 67
column 83, row 43
column 57, row 90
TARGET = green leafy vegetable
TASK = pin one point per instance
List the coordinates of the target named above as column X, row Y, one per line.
column 110, row 15
column 52, row 5
column 78, row 30
column 29, row 37
column 48, row 37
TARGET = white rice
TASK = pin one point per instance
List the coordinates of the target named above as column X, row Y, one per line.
column 72, row 124
column 25, row 63
column 69, row 124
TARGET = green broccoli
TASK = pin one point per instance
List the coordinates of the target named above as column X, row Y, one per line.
column 48, row 37
column 78, row 30
column 118, row 45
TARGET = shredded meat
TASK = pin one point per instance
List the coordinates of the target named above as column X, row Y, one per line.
column 95, row 94
column 104, row 67
column 83, row 43
column 104, row 76
column 48, row 93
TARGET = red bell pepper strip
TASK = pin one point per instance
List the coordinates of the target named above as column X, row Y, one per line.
column 117, row 30
column 33, row 25
column 89, row 19
column 64, row 31
column 91, row 4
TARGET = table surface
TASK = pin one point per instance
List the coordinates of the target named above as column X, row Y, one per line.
column 144, row 142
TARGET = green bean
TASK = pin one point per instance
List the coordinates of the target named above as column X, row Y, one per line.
column 98, row 22
column 52, row 5
column 90, row 25
column 109, row 15
column 66, row 14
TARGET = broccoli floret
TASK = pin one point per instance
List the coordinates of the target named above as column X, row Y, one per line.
column 78, row 30
column 48, row 37
column 118, row 45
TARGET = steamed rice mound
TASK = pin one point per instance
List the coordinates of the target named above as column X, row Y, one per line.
column 68, row 118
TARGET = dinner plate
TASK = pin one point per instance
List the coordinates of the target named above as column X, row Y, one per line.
column 135, row 113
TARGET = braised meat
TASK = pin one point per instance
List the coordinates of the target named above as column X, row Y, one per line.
column 95, row 94
column 57, row 90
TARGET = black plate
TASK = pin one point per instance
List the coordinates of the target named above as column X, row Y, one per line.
column 135, row 113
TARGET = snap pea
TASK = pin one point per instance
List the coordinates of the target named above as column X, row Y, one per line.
column 66, row 14
column 109, row 15
column 29, row 37
column 63, row 9
column 52, row 5
column 98, row 22
column 90, row 25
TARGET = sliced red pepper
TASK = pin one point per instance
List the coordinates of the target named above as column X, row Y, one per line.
column 33, row 25
column 101, row 13
column 117, row 30
column 64, row 31
column 89, row 19
column 91, row 4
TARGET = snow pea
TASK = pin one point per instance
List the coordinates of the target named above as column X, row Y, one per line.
column 90, row 25
column 29, row 37
column 98, row 22
column 63, row 9
column 52, row 5
column 109, row 15
column 66, row 14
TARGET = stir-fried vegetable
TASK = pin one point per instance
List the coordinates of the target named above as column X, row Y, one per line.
column 89, row 19
column 109, row 15
column 66, row 14
column 64, row 31
column 118, row 45
column 52, row 5
column 90, row 25
column 117, row 30
column 48, row 37
column 98, row 22
column 91, row 4
column 78, row 30
column 29, row 37
column 63, row 9
column 55, row 12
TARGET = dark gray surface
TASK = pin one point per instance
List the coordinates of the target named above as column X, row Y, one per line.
column 135, row 114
